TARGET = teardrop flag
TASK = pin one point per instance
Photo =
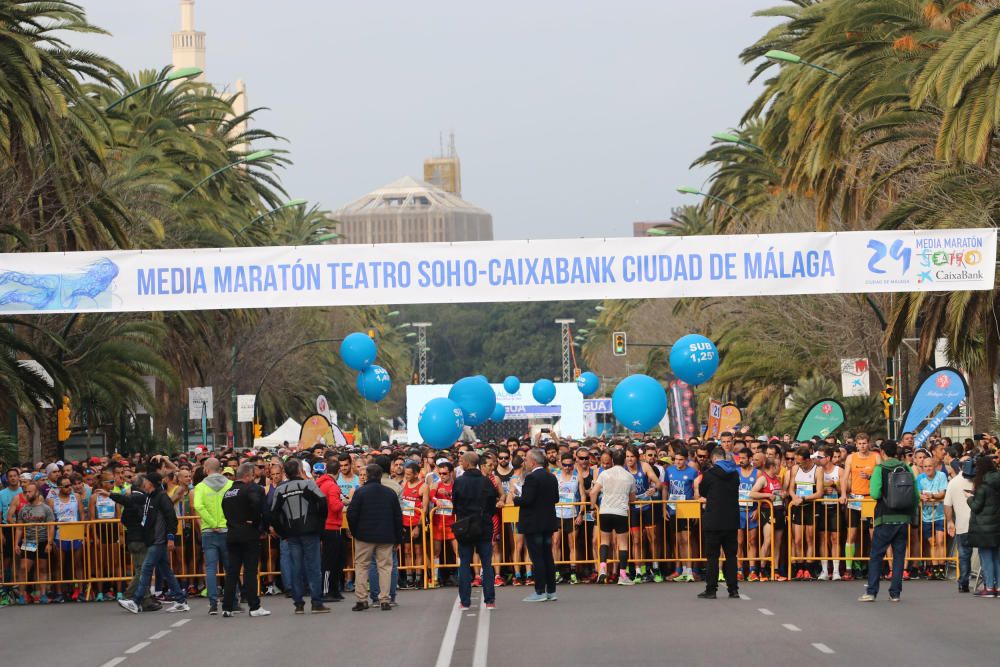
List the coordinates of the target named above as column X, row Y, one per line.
column 936, row 398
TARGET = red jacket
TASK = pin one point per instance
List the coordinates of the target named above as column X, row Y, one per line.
column 334, row 505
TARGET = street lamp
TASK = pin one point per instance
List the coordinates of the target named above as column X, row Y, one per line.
column 600, row 309
column 688, row 190
column 733, row 138
column 786, row 57
column 392, row 313
column 182, row 73
column 327, row 237
column 656, row 231
column 405, row 325
column 252, row 157
column 287, row 204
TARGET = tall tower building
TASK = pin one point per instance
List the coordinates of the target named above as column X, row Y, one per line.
column 445, row 172
column 189, row 44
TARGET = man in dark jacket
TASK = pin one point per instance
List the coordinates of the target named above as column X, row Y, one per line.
column 720, row 519
column 376, row 522
column 131, row 518
column 297, row 514
column 475, row 500
column 537, row 520
column 243, row 507
column 159, row 526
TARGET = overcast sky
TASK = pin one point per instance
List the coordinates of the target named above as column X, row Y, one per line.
column 571, row 118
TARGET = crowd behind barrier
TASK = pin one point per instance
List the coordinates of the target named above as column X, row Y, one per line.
column 803, row 514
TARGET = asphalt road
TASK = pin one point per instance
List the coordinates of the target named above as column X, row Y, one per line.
column 776, row 623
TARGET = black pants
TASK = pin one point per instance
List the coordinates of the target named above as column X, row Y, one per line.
column 726, row 540
column 243, row 556
column 540, row 552
column 332, row 560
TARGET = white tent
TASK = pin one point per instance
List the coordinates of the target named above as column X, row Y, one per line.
column 288, row 431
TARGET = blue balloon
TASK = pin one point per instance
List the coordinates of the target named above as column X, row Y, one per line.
column 476, row 398
column 358, row 351
column 694, row 359
column 440, row 423
column 639, row 402
column 588, row 383
column 499, row 413
column 483, row 378
column 544, row 391
column 374, row 383
column 511, row 384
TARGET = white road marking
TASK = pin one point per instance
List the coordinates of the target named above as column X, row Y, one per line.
column 744, row 596
column 161, row 634
column 791, row 628
column 138, row 647
column 823, row 648
column 482, row 636
column 114, row 661
column 180, row 622
column 766, row 612
column 450, row 636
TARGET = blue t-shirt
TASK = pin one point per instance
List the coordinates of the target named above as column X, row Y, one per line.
column 932, row 511
column 6, row 498
column 680, row 484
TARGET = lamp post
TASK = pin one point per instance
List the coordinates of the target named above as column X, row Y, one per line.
column 327, row 237
column 656, row 231
column 252, row 157
column 422, row 349
column 733, row 138
column 688, row 190
column 786, row 57
column 287, row 204
column 183, row 73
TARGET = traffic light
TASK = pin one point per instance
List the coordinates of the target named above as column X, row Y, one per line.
column 888, row 395
column 63, row 420
column 619, row 344
column 371, row 333
column 258, row 430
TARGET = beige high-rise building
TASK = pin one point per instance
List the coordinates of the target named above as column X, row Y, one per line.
column 189, row 44
column 411, row 211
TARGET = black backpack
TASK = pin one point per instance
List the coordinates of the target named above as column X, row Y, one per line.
column 897, row 489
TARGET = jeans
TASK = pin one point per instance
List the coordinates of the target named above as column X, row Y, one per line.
column 303, row 552
column 884, row 536
column 964, row 559
column 157, row 557
column 725, row 541
column 465, row 551
column 138, row 552
column 540, row 553
column 243, row 556
column 213, row 545
column 393, row 579
column 989, row 561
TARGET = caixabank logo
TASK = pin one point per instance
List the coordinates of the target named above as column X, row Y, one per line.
column 950, row 260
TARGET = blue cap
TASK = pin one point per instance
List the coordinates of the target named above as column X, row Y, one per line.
column 319, row 468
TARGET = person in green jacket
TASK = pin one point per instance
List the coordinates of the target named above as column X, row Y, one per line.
column 891, row 527
column 208, row 506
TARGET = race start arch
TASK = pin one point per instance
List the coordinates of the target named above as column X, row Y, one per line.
column 547, row 270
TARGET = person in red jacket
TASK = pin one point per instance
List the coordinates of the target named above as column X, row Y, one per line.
column 333, row 563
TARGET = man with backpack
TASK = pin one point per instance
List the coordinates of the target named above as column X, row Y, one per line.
column 475, row 500
column 894, row 488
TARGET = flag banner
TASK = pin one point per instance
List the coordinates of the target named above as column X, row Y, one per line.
column 855, row 378
column 936, row 398
column 498, row 271
column 730, row 419
column 821, row 419
column 714, row 417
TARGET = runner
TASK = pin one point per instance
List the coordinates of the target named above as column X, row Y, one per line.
column 68, row 508
column 442, row 519
column 932, row 484
column 564, row 540
column 830, row 519
column 522, row 573
column 748, row 537
column 680, row 486
column 414, row 512
column 856, row 488
column 586, row 518
column 641, row 516
column 348, row 480
column 769, row 487
column 32, row 543
column 617, row 490
column 805, row 486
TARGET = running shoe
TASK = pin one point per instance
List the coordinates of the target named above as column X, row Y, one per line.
column 602, row 577
column 780, row 577
column 657, row 576
column 99, row 598
column 177, row 607
column 572, row 579
column 848, row 576
column 623, row 580
column 753, row 576
column 490, row 606
column 349, row 586
column 823, row 576
column 906, row 575
column 684, row 578
column 806, row 575
column 646, row 578
column 529, row 581
column 129, row 606
column 497, row 581
column 739, row 575
column 517, row 581
column 866, row 598
column 477, row 581
column 836, row 575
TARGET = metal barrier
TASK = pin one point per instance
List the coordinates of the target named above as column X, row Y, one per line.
column 87, row 558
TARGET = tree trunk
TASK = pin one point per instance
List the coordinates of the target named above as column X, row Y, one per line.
column 982, row 401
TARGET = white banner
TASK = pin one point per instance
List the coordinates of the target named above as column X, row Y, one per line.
column 245, row 404
column 200, row 399
column 550, row 270
column 855, row 377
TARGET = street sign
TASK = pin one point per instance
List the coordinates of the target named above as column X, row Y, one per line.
column 198, row 398
column 245, row 404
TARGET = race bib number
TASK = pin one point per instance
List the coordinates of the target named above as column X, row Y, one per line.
column 445, row 507
column 855, row 505
column 408, row 507
column 803, row 489
column 675, row 496
column 29, row 546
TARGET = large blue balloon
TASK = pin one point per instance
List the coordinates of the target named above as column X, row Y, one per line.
column 639, row 402
column 511, row 384
column 374, row 383
column 358, row 351
column 694, row 359
column 440, row 423
column 544, row 391
column 499, row 413
column 588, row 383
column 476, row 398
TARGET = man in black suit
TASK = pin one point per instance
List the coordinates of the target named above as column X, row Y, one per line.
column 537, row 522
column 720, row 520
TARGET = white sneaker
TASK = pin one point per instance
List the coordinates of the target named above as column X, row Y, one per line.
column 260, row 611
column 227, row 614
column 129, row 606
column 623, row 580
column 823, row 576
column 836, row 576
column 178, row 607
